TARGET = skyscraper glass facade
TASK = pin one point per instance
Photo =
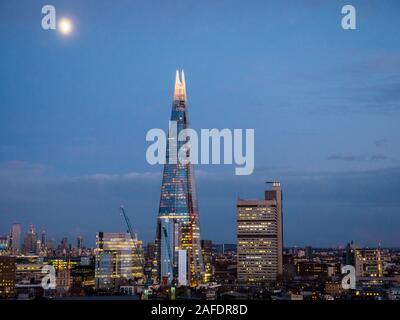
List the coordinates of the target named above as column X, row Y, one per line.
column 178, row 219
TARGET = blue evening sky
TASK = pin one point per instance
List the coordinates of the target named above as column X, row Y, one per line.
column 324, row 103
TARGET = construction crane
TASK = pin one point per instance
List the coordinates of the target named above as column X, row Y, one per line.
column 128, row 223
column 130, row 230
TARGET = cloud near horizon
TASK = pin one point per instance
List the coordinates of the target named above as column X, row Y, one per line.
column 359, row 205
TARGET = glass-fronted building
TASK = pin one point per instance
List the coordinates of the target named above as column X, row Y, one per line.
column 118, row 259
column 178, row 218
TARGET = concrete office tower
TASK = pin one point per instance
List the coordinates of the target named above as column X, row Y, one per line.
column 119, row 258
column 178, row 217
column 16, row 238
column 260, row 238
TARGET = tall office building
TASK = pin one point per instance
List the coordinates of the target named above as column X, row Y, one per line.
column 79, row 242
column 349, row 254
column 64, row 245
column 119, row 258
column 43, row 243
column 309, row 253
column 15, row 238
column 30, row 242
column 178, row 227
column 260, row 238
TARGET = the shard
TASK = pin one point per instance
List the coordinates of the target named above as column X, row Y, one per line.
column 179, row 257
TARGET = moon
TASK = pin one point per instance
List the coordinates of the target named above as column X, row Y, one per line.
column 65, row 26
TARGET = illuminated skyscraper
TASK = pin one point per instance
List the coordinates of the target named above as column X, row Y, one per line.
column 259, row 238
column 178, row 218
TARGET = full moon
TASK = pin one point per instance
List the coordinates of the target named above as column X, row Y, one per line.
column 65, row 26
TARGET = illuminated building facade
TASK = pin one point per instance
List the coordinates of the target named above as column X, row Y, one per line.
column 178, row 219
column 206, row 248
column 315, row 269
column 4, row 244
column 259, row 238
column 118, row 259
column 63, row 275
column 7, row 276
column 368, row 263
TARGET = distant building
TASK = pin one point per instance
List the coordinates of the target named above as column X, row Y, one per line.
column 82, row 275
column 260, row 238
column 63, row 248
column 79, row 245
column 368, row 263
column 7, row 276
column 151, row 251
column 4, row 243
column 64, row 281
column 225, row 270
column 349, row 255
column 29, row 272
column 151, row 262
column 312, row 269
column 30, row 242
column 206, row 248
column 221, row 248
column 309, row 253
column 333, row 288
column 16, row 238
column 119, row 258
column 43, row 242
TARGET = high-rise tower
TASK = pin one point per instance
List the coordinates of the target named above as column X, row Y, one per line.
column 16, row 238
column 260, row 238
column 179, row 257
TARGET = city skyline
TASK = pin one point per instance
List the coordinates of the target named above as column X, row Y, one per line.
column 325, row 112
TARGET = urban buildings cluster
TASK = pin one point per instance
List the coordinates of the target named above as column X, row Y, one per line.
column 181, row 265
column 120, row 267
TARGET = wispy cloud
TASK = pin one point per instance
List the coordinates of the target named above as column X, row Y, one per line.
column 129, row 176
column 21, row 171
column 381, row 142
column 350, row 157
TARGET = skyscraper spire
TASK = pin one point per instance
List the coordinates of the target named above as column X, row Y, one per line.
column 180, row 87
